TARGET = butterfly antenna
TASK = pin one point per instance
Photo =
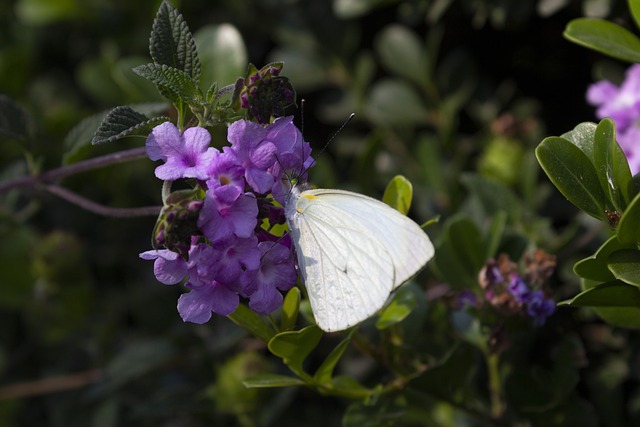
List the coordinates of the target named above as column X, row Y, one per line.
column 346, row 122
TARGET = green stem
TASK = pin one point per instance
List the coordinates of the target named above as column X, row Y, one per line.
column 495, row 385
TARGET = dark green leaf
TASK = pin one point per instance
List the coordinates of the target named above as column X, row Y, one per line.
column 611, row 165
column 124, row 121
column 13, row 119
column 402, row 53
column 610, row 294
column 402, row 304
column 625, row 265
column 605, row 37
column 496, row 232
column 176, row 85
column 634, row 7
column 573, row 173
column 290, row 309
column 493, row 196
column 272, row 380
column 623, row 317
column 583, row 137
column 468, row 244
column 398, row 194
column 171, row 43
column 252, row 322
column 595, row 267
column 222, row 52
column 294, row 346
column 395, row 103
column 629, row 225
column 324, row 373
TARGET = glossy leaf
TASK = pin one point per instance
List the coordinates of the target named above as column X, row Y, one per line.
column 595, row 267
column 629, row 225
column 573, row 174
column 324, row 373
column 398, row 194
column 171, row 43
column 625, row 265
column 611, row 165
column 124, row 121
column 605, row 37
column 610, row 294
column 222, row 52
column 402, row 53
column 402, row 304
column 290, row 309
column 252, row 322
column 294, row 346
column 624, row 317
column 583, row 137
column 272, row 380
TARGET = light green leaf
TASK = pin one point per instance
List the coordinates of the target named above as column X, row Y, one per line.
column 402, row 53
column 124, row 121
column 625, row 265
column 294, row 346
column 171, row 43
column 174, row 84
column 323, row 374
column 222, row 52
column 398, row 194
column 629, row 225
column 605, row 37
column 611, row 165
column 634, row 7
column 290, row 309
column 272, row 380
column 573, row 173
column 403, row 303
column 252, row 322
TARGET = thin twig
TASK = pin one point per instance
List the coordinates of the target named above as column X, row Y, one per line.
column 50, row 385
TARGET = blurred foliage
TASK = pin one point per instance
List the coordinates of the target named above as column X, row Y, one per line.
column 453, row 94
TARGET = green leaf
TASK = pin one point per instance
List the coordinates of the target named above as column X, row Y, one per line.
column 398, row 194
column 124, row 121
column 625, row 265
column 595, row 267
column 171, row 43
column 634, row 7
column 610, row 294
column 403, row 303
column 290, row 309
column 272, row 380
column 493, row 196
column 222, row 52
column 393, row 102
column 583, row 137
column 572, row 172
column 174, row 84
column 611, row 165
column 402, row 53
column 294, row 346
column 629, row 225
column 13, row 119
column 252, row 322
column 624, row 317
column 324, row 373
column 605, row 37
column 496, row 231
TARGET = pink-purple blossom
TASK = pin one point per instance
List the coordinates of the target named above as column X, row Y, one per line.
column 622, row 105
column 228, row 254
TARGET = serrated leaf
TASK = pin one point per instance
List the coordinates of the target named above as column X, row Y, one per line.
column 171, row 42
column 13, row 119
column 294, row 346
column 605, row 37
column 629, row 225
column 610, row 294
column 171, row 82
column 625, row 265
column 398, row 194
column 124, row 121
column 290, row 309
column 324, row 373
column 573, row 173
column 402, row 304
column 272, row 380
column 611, row 165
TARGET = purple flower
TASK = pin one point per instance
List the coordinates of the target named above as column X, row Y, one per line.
column 224, row 169
column 197, row 305
column 465, row 299
column 237, row 257
column 168, row 267
column 276, row 272
column 254, row 152
column 228, row 211
column 539, row 307
column 185, row 156
column 622, row 105
column 518, row 288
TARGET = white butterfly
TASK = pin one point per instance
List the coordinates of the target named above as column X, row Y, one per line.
column 352, row 251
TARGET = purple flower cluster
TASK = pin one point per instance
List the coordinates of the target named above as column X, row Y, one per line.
column 218, row 235
column 622, row 105
column 511, row 293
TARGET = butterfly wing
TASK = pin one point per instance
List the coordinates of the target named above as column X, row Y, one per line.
column 346, row 248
